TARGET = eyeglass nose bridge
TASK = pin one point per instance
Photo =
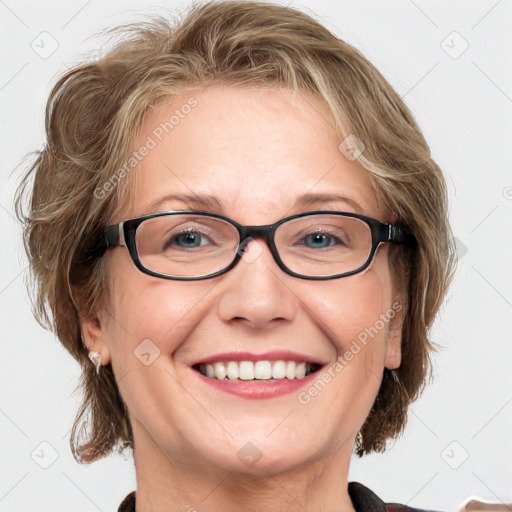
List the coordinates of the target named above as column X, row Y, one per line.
column 266, row 232
column 247, row 233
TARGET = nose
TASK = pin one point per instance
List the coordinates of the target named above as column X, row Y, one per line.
column 255, row 292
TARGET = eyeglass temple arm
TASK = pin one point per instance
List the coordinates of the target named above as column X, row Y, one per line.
column 110, row 239
column 114, row 235
column 399, row 235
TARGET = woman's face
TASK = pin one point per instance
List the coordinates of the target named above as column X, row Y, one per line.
column 257, row 154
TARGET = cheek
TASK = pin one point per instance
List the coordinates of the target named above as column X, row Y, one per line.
column 147, row 322
column 145, row 308
column 353, row 313
column 351, row 306
column 349, row 312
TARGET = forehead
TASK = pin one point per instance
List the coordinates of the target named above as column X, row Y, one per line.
column 254, row 151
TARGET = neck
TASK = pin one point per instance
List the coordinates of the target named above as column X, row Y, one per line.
column 191, row 484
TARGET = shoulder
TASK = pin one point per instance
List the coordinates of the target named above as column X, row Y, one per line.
column 365, row 500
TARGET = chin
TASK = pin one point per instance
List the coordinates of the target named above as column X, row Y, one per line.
column 258, row 454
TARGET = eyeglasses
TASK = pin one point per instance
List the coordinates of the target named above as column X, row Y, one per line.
column 193, row 245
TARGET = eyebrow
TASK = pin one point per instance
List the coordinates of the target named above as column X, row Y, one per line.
column 205, row 202
column 212, row 204
column 311, row 198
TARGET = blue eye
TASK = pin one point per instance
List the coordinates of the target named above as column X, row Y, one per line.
column 189, row 239
column 319, row 240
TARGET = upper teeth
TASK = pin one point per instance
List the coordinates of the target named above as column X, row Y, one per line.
column 262, row 370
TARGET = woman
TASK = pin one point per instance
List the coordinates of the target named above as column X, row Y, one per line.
column 241, row 236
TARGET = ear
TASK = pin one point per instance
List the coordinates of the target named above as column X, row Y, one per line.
column 393, row 357
column 94, row 336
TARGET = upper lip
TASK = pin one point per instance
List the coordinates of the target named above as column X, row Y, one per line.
column 274, row 355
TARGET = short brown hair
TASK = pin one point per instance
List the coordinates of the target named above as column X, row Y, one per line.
column 93, row 116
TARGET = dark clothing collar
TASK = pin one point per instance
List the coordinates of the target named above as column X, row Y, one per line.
column 362, row 498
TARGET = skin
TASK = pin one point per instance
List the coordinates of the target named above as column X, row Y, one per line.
column 256, row 151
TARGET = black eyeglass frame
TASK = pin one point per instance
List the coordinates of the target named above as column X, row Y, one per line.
column 124, row 234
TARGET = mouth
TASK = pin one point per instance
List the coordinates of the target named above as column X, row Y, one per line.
column 272, row 374
column 261, row 370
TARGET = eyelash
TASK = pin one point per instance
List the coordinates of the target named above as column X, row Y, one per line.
column 193, row 230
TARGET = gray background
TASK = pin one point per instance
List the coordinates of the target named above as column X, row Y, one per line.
column 458, row 439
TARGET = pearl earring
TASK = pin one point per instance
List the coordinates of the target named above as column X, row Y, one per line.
column 95, row 358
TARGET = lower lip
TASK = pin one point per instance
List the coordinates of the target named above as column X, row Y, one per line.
column 258, row 389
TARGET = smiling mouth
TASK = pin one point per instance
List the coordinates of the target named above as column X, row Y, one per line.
column 257, row 371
